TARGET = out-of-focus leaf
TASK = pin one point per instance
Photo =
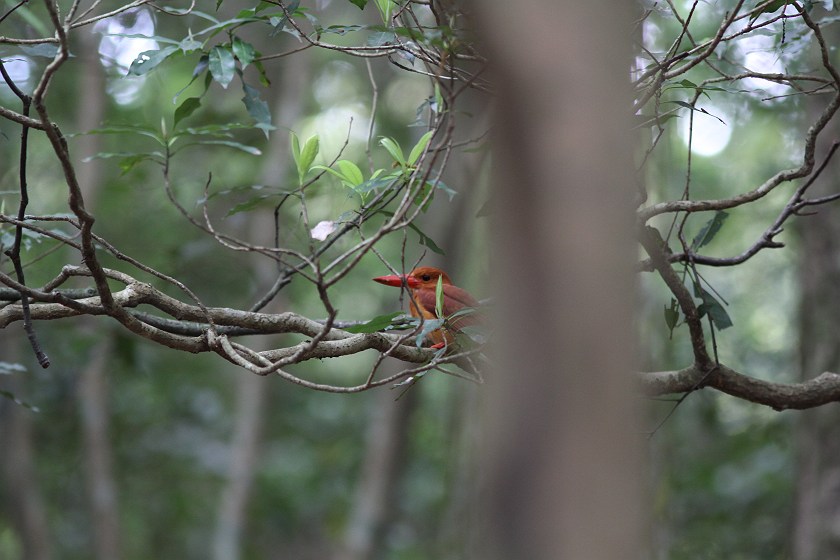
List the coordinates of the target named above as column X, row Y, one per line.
column 713, row 308
column 381, row 38
column 201, row 66
column 9, row 395
column 186, row 108
column 474, row 333
column 244, row 51
column 348, row 172
column 394, row 149
column 230, row 143
column 385, row 7
column 128, row 163
column 149, row 60
column 439, row 297
column 672, row 316
column 45, row 50
column 381, row 322
column 8, row 368
column 418, row 148
column 770, row 8
column 442, row 186
column 343, row 29
column 351, row 172
column 189, row 44
column 708, row 231
column 222, row 65
column 257, row 108
column 248, row 205
column 428, row 326
column 307, row 156
column 295, row 144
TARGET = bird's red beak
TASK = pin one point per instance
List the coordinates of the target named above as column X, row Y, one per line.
column 398, row 280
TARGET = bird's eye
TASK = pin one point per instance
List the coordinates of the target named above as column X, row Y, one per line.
column 426, row 278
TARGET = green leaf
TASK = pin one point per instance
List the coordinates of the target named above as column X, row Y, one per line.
column 427, row 241
column 189, row 44
column 672, row 316
column 474, row 333
column 442, row 186
column 438, row 103
column 295, row 143
column 307, row 156
column 683, row 104
column 359, row 3
column 439, row 298
column 708, row 231
column 128, row 163
column 376, row 182
column 429, row 325
column 385, row 9
column 11, row 396
column 257, row 108
column 186, row 108
column 418, row 148
column 376, row 324
column 769, row 8
column 351, row 172
column 248, row 205
column 393, row 149
column 149, row 60
column 201, row 66
column 343, row 29
column 713, row 308
column 244, row 51
column 239, row 146
column 381, row 38
column 222, row 65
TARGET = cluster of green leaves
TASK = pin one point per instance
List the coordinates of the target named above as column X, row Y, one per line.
column 222, row 61
column 381, row 179
column 168, row 143
column 711, row 303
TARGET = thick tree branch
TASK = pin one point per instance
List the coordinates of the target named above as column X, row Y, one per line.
column 823, row 389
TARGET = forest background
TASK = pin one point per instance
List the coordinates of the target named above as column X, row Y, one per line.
column 237, row 150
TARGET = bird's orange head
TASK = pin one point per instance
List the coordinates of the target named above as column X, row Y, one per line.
column 424, row 277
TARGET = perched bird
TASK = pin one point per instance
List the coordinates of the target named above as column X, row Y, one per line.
column 422, row 285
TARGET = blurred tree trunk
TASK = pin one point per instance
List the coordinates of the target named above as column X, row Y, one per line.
column 93, row 389
column 563, row 459
column 23, row 501
column 816, row 534
column 244, row 453
column 98, row 456
column 251, row 391
column 373, row 503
